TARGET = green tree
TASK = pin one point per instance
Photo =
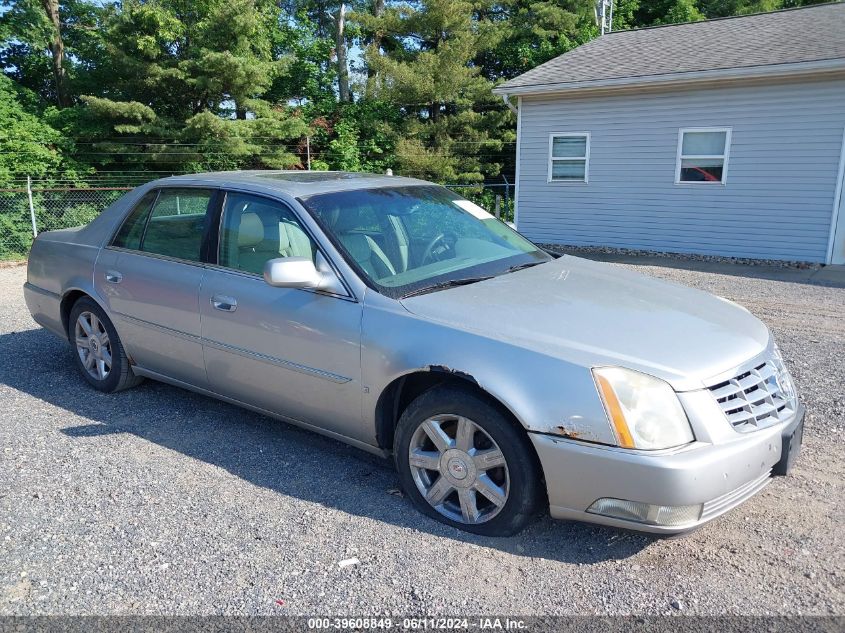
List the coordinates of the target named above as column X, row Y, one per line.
column 29, row 146
column 451, row 124
column 344, row 152
column 725, row 8
column 39, row 39
column 310, row 77
column 186, row 88
column 182, row 57
column 56, row 46
column 657, row 12
column 523, row 34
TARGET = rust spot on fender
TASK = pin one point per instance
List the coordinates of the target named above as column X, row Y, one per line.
column 575, row 430
column 573, row 434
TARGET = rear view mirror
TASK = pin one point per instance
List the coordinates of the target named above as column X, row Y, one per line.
column 292, row 272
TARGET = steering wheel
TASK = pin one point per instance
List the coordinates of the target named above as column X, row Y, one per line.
column 428, row 253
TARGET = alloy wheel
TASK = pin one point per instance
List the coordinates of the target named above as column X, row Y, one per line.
column 459, row 469
column 93, row 345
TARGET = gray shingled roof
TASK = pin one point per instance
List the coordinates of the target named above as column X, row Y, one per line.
column 810, row 34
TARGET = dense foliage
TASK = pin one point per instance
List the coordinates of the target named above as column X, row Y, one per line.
column 187, row 85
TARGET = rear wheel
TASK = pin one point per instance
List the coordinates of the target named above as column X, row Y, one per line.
column 99, row 353
column 463, row 462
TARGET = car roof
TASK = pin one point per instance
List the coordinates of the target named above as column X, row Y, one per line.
column 299, row 184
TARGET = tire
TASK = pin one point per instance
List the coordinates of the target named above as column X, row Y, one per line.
column 516, row 484
column 87, row 317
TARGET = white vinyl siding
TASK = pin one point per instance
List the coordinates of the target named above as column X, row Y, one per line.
column 703, row 155
column 786, row 140
column 569, row 157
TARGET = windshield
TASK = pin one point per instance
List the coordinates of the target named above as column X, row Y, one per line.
column 407, row 240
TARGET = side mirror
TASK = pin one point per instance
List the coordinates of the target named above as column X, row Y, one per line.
column 300, row 272
column 292, row 272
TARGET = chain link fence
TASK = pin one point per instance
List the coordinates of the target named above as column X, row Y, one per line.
column 31, row 208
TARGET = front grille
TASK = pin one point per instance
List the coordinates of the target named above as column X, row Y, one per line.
column 758, row 397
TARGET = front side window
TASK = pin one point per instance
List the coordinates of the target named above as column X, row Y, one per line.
column 569, row 157
column 703, row 155
column 410, row 239
column 257, row 229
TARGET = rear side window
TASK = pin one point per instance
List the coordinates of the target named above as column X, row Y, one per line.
column 176, row 224
column 130, row 233
column 167, row 222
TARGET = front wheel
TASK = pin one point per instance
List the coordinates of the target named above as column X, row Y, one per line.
column 99, row 353
column 464, row 463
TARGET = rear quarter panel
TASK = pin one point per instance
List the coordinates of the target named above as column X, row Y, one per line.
column 63, row 261
column 57, row 265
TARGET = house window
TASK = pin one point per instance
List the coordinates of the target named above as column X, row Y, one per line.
column 703, row 155
column 569, row 157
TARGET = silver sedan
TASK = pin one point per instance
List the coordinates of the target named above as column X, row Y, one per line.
column 392, row 314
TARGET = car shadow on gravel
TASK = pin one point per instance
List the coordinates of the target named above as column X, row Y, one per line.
column 269, row 453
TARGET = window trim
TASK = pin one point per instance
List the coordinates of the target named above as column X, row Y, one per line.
column 552, row 159
column 724, row 157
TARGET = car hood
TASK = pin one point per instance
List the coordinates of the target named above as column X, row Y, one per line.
column 597, row 314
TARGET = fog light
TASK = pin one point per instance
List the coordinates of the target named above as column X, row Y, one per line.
column 646, row 512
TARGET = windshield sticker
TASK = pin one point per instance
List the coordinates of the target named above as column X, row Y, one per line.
column 473, row 209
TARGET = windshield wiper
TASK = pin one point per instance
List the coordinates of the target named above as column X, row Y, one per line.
column 513, row 269
column 451, row 283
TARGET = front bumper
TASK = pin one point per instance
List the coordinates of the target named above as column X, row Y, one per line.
column 719, row 476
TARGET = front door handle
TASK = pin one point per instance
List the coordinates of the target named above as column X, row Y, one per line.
column 113, row 277
column 222, row 302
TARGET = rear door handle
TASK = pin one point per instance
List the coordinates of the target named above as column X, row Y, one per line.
column 113, row 277
column 222, row 302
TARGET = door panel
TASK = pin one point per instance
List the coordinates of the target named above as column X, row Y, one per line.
column 156, row 306
column 151, row 284
column 290, row 351
column 293, row 352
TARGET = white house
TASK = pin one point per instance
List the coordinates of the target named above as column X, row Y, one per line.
column 724, row 137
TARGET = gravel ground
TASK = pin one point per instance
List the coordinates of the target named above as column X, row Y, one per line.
column 604, row 252
column 159, row 501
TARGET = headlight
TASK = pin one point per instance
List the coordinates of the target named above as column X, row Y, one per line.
column 644, row 411
column 784, row 379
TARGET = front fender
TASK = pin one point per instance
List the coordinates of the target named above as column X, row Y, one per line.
column 545, row 394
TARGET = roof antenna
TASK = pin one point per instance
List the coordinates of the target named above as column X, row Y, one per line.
column 604, row 15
